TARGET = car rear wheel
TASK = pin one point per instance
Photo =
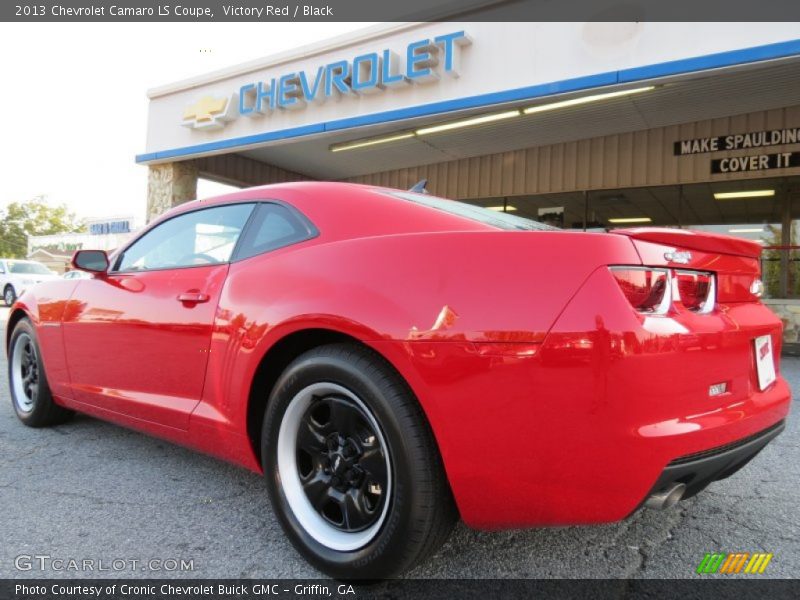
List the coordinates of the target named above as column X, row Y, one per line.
column 351, row 465
column 9, row 295
column 30, row 393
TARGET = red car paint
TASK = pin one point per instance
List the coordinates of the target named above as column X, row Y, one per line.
column 551, row 399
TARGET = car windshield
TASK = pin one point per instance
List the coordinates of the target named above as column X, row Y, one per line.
column 500, row 220
column 27, row 268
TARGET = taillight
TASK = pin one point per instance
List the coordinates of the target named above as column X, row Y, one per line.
column 695, row 290
column 757, row 288
column 646, row 289
column 651, row 291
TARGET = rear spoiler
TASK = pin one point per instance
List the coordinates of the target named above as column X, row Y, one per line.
column 694, row 240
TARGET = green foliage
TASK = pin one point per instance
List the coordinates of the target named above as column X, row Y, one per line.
column 19, row 220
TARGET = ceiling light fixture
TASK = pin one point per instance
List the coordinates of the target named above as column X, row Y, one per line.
column 482, row 119
column 501, row 208
column 743, row 194
column 631, row 220
column 370, row 142
column 469, row 122
column 585, row 100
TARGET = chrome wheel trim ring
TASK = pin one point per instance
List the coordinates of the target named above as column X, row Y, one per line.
column 307, row 516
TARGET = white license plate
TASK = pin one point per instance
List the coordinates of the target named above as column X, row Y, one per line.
column 765, row 365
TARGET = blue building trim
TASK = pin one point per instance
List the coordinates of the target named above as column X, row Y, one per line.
column 636, row 74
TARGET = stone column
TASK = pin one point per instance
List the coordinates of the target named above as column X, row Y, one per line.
column 170, row 184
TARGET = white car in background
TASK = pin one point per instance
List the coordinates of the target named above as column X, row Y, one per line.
column 18, row 275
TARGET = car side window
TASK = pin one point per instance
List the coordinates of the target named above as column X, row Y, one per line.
column 273, row 226
column 201, row 237
column 2, row 269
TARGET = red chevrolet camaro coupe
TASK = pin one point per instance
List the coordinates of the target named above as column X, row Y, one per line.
column 391, row 361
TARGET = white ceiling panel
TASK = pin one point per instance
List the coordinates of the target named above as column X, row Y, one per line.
column 720, row 94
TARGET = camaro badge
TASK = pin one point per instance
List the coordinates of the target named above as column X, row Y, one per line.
column 682, row 258
column 209, row 113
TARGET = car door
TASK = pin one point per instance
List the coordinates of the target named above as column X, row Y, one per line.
column 137, row 338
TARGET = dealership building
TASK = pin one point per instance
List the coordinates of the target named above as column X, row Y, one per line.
column 582, row 125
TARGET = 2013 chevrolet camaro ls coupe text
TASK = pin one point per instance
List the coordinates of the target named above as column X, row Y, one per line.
column 392, row 361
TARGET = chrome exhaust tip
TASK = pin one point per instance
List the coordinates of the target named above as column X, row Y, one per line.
column 667, row 497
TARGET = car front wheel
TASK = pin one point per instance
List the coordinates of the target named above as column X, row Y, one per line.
column 30, row 393
column 352, row 467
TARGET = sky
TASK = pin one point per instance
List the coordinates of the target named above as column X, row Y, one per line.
column 74, row 105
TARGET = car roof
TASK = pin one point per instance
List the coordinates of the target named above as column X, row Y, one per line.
column 346, row 210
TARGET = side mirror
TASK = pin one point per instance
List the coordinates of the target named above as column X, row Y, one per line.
column 93, row 261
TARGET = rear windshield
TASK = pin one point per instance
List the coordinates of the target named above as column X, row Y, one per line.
column 28, row 268
column 500, row 220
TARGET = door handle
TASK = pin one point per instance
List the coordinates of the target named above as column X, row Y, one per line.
column 193, row 297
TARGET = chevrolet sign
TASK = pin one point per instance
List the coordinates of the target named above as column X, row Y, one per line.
column 423, row 61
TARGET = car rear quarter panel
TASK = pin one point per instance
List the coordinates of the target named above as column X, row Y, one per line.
column 391, row 292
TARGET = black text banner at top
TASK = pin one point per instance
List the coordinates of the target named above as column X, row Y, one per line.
column 391, row 10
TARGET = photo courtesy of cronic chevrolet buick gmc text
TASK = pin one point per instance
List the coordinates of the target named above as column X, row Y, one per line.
column 392, row 361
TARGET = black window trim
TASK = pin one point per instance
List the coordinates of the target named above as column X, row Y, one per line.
column 313, row 232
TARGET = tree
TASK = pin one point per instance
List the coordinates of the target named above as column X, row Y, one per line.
column 19, row 220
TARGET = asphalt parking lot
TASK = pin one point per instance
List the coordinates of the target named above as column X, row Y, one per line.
column 91, row 490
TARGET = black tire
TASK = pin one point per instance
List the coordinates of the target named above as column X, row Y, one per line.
column 9, row 295
column 421, row 511
column 34, row 403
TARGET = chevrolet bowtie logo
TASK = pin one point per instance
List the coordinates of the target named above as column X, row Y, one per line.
column 208, row 113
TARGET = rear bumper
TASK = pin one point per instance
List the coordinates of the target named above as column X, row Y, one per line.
column 696, row 471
